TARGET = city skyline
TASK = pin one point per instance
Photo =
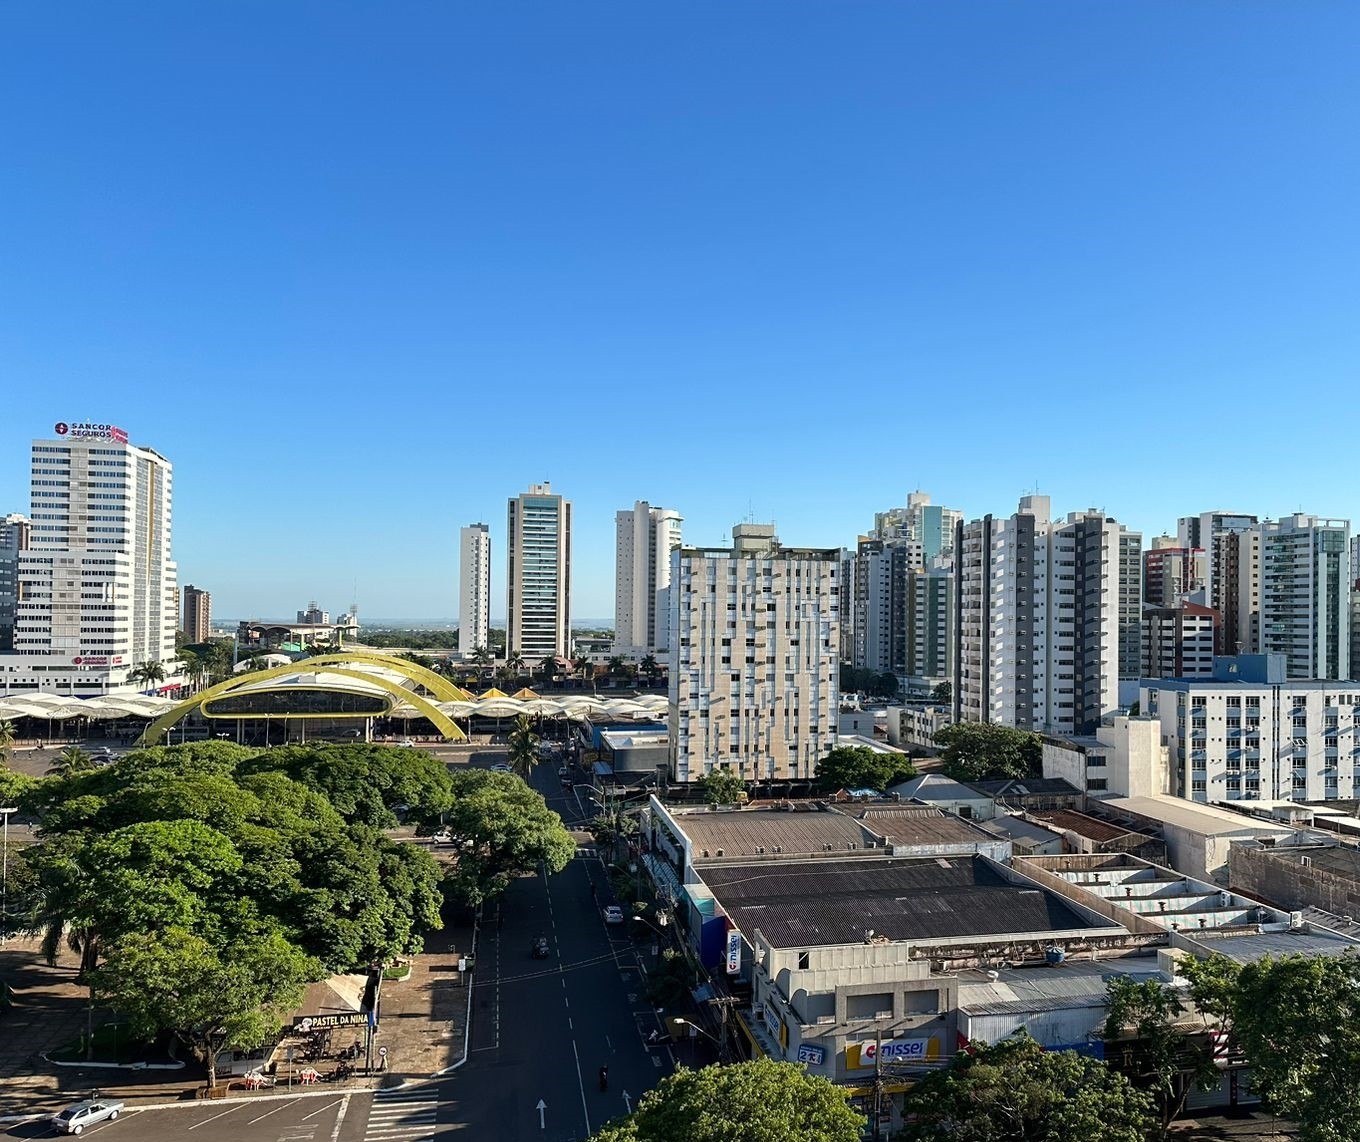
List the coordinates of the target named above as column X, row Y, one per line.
column 1028, row 239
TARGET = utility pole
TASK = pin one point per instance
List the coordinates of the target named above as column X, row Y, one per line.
column 878, row 1084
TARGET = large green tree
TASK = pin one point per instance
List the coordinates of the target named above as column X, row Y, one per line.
column 761, row 1101
column 213, row 997
column 721, row 786
column 1143, row 1022
column 859, row 767
column 1297, row 1020
column 1015, row 1091
column 981, row 751
column 502, row 828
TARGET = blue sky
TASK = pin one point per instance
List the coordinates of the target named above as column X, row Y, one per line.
column 365, row 271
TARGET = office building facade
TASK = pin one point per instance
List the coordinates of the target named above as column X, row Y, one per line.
column 754, row 675
column 1048, row 619
column 14, row 533
column 96, row 587
column 643, row 538
column 538, row 574
column 474, row 589
column 197, row 605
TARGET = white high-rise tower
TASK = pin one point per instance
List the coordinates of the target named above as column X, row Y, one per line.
column 538, row 574
column 474, row 588
column 642, row 577
column 97, row 586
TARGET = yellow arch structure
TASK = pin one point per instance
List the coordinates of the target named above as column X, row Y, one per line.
column 152, row 734
column 436, row 684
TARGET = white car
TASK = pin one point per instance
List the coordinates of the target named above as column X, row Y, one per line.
column 443, row 837
column 613, row 914
column 501, row 767
column 407, row 744
column 87, row 1112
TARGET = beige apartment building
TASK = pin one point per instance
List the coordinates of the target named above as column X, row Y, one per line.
column 754, row 635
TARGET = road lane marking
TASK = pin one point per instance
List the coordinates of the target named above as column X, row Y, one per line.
column 580, row 1082
column 215, row 1117
column 267, row 1113
column 324, row 1108
column 340, row 1118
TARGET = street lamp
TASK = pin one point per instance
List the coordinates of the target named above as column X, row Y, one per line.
column 5, row 811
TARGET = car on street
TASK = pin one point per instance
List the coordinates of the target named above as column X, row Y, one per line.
column 540, row 948
column 407, row 744
column 501, row 767
column 562, row 771
column 613, row 914
column 79, row 1115
column 443, row 837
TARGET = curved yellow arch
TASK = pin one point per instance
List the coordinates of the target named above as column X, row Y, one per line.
column 152, row 734
column 436, row 684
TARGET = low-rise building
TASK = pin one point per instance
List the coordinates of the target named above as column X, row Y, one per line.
column 947, row 794
column 1296, row 877
column 1030, row 793
column 1086, row 834
column 915, row 726
column 1125, row 757
column 1026, row 838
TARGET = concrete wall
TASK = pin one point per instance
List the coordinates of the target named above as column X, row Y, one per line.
column 1282, row 879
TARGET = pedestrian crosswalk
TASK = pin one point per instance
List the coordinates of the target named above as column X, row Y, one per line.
column 403, row 1115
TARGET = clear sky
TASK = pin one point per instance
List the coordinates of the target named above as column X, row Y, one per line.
column 364, row 271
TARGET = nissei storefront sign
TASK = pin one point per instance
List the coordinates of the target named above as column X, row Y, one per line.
column 85, row 431
column 893, row 1051
column 813, row 1056
column 733, row 952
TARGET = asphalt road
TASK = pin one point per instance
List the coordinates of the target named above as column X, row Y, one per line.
column 541, row 1029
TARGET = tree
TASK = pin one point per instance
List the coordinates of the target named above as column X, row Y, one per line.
column 1143, row 1016
column 1297, row 1020
column 72, row 759
column 213, row 998
column 147, row 674
column 8, row 737
column 548, row 668
column 858, row 767
column 523, row 747
column 483, row 659
column 503, row 828
column 721, row 786
column 1015, row 1091
column 764, row 1100
column 649, row 668
column 943, row 694
column 515, row 664
column 981, row 751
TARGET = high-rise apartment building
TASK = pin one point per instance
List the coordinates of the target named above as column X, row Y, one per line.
column 1178, row 641
column 1171, row 573
column 1305, row 594
column 900, row 611
column 538, row 574
column 96, row 592
column 197, row 615
column 1048, row 622
column 14, row 532
column 930, row 525
column 1231, row 583
column 754, row 671
column 644, row 537
column 474, row 589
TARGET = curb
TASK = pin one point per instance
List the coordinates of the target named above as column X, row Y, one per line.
column 467, row 1019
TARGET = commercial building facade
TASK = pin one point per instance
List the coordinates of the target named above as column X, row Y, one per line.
column 474, row 588
column 14, row 535
column 538, row 574
column 754, row 677
column 96, row 587
column 644, row 537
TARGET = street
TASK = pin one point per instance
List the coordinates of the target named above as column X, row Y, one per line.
column 541, row 1031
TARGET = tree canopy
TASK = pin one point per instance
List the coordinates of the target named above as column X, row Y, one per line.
column 1297, row 1020
column 1015, row 1091
column 764, row 1101
column 858, row 680
column 721, row 786
column 859, row 767
column 981, row 751
column 502, row 829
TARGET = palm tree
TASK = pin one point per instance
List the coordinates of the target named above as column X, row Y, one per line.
column 648, row 667
column 516, row 664
column 70, row 761
column 523, row 747
column 147, row 674
column 8, row 736
column 549, row 668
column 483, row 659
column 195, row 667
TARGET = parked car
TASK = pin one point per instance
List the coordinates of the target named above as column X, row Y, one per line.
column 443, row 837
column 407, row 744
column 562, row 771
column 613, row 914
column 87, row 1112
column 501, row 767
column 540, row 948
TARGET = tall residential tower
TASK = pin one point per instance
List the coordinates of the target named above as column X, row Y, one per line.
column 197, row 615
column 644, row 536
column 538, row 575
column 474, row 589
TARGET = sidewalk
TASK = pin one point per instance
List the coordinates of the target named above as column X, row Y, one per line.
column 423, row 1026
